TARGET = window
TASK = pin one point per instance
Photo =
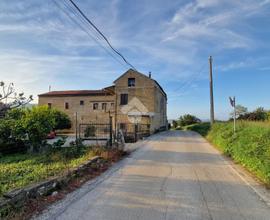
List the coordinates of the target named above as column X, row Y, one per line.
column 131, row 82
column 95, row 106
column 66, row 105
column 124, row 99
column 49, row 105
column 122, row 126
column 104, row 106
column 81, row 102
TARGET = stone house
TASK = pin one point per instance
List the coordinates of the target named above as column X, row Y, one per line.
column 134, row 98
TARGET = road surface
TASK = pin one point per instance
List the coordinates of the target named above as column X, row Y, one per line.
column 174, row 175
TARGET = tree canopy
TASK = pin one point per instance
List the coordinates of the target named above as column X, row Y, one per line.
column 188, row 120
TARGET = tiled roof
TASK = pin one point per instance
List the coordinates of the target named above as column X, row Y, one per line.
column 77, row 93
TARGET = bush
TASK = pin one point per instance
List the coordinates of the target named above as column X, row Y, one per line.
column 90, row 131
column 23, row 127
column 16, row 114
column 188, row 120
column 258, row 115
column 174, row 124
column 38, row 122
column 12, row 135
column 62, row 120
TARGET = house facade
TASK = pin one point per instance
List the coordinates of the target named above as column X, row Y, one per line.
column 133, row 99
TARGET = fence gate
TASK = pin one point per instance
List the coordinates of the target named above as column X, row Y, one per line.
column 133, row 132
column 95, row 131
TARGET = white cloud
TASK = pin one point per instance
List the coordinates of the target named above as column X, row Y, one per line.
column 213, row 21
column 33, row 73
column 153, row 35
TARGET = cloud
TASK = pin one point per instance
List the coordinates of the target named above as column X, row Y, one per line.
column 257, row 63
column 33, row 73
column 213, row 21
column 41, row 46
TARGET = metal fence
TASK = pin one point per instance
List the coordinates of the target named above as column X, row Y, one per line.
column 134, row 132
column 94, row 131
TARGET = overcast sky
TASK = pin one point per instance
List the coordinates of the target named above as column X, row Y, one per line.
column 40, row 46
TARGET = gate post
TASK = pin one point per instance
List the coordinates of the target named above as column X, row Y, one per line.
column 136, row 131
column 111, row 132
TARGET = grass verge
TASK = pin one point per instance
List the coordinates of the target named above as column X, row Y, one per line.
column 201, row 128
column 250, row 146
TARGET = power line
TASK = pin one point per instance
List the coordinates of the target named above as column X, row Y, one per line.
column 190, row 80
column 84, row 29
column 104, row 37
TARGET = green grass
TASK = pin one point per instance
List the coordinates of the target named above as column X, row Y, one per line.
column 23, row 169
column 201, row 128
column 177, row 128
column 250, row 146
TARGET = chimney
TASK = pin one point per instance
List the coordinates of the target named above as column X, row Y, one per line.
column 149, row 75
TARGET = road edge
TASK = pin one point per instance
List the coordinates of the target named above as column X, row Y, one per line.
column 249, row 179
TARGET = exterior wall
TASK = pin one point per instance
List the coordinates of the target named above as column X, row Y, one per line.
column 148, row 93
column 160, row 118
column 85, row 113
column 146, row 96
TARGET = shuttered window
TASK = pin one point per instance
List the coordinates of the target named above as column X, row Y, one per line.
column 124, row 99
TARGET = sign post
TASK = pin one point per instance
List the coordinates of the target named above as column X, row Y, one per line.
column 232, row 101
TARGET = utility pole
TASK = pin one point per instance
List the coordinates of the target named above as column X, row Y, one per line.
column 76, row 124
column 212, row 114
column 234, row 115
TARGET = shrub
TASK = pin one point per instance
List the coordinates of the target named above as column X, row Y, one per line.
column 12, row 135
column 38, row 122
column 5, row 131
column 90, row 131
column 188, row 120
column 258, row 115
column 16, row 114
column 174, row 124
column 23, row 127
column 62, row 120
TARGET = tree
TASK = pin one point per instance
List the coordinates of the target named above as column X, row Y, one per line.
column 30, row 127
column 174, row 123
column 240, row 110
column 62, row 120
column 9, row 99
column 12, row 135
column 16, row 114
column 258, row 115
column 188, row 120
column 38, row 122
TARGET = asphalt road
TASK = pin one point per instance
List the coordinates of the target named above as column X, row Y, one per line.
column 175, row 175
